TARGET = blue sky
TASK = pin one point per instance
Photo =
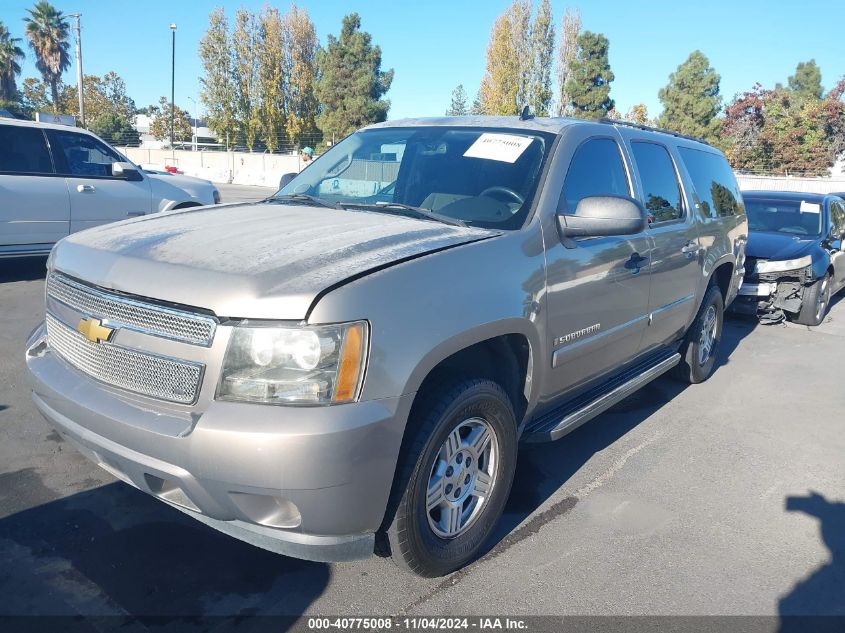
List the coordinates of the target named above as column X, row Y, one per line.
column 435, row 45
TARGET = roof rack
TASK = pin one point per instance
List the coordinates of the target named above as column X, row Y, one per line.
column 648, row 128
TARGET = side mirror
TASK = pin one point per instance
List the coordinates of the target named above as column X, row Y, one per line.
column 286, row 178
column 127, row 171
column 598, row 216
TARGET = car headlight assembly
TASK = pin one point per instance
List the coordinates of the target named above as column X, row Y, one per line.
column 294, row 365
column 783, row 265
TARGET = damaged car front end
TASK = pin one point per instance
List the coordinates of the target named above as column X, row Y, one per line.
column 773, row 288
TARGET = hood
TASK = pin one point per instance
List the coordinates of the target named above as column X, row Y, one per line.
column 262, row 261
column 778, row 246
column 169, row 189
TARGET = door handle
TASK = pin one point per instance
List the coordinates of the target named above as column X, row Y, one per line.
column 690, row 248
column 635, row 263
column 86, row 188
column 135, row 214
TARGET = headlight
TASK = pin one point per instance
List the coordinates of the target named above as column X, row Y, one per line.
column 786, row 264
column 294, row 365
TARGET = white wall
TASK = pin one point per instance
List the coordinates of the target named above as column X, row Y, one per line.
column 240, row 168
column 790, row 183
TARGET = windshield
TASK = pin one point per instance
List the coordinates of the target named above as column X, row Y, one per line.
column 481, row 176
column 796, row 217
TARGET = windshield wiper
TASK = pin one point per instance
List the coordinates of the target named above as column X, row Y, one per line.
column 420, row 212
column 304, row 197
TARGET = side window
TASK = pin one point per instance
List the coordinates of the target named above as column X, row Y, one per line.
column 24, row 151
column 714, row 181
column 82, row 155
column 660, row 181
column 837, row 216
column 596, row 170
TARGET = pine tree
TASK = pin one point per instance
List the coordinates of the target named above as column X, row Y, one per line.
column 807, row 80
column 542, row 51
column 691, row 100
column 458, row 107
column 351, row 83
column 588, row 86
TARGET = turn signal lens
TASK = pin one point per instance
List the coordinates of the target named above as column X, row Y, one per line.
column 351, row 364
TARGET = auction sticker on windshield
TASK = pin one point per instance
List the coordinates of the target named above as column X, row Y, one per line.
column 503, row 147
column 810, row 207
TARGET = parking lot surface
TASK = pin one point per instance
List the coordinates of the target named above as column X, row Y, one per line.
column 721, row 498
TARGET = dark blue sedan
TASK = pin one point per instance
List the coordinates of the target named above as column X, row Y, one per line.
column 795, row 259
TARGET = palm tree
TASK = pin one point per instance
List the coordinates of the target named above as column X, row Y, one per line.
column 10, row 57
column 47, row 32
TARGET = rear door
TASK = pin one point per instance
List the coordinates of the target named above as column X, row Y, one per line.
column 96, row 197
column 675, row 261
column 34, row 203
column 597, row 287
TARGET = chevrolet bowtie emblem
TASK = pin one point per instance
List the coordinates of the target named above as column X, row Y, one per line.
column 94, row 330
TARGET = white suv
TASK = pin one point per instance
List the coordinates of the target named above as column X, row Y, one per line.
column 56, row 180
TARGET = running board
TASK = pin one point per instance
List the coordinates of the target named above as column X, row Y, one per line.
column 556, row 424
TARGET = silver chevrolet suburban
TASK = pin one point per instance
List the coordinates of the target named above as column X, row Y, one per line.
column 351, row 364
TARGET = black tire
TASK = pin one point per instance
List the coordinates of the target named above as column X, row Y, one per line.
column 414, row 544
column 691, row 370
column 815, row 304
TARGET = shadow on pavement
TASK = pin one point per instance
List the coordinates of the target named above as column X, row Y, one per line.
column 823, row 592
column 114, row 550
column 543, row 468
column 22, row 269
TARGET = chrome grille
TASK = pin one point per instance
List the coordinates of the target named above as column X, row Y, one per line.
column 131, row 314
column 147, row 374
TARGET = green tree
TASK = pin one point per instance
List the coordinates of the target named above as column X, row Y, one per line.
column 34, row 95
column 301, row 51
column 588, row 86
column 638, row 113
column 691, row 100
column 47, row 31
column 351, row 84
column 570, row 30
column 160, row 126
column 116, row 129
column 504, row 87
column 217, row 84
column 807, row 80
column 102, row 95
column 272, row 76
column 11, row 56
column 246, row 78
column 458, row 106
column 542, row 51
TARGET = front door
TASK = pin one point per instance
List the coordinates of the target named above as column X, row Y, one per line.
column 96, row 197
column 837, row 256
column 676, row 259
column 34, row 204
column 597, row 288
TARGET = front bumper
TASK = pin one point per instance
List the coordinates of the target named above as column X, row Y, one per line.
column 309, row 482
column 770, row 296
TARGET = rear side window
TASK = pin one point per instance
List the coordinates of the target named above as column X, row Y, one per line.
column 714, row 181
column 81, row 155
column 660, row 181
column 596, row 170
column 24, row 151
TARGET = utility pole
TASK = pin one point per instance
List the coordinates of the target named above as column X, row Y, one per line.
column 79, row 66
column 172, row 84
column 195, row 124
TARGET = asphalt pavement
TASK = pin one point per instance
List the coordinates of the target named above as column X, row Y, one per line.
column 726, row 498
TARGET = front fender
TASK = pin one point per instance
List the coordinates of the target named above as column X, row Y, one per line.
column 424, row 310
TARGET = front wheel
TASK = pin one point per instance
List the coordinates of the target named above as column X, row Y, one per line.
column 815, row 303
column 701, row 343
column 455, row 477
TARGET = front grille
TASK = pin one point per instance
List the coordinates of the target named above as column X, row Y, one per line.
column 132, row 314
column 143, row 373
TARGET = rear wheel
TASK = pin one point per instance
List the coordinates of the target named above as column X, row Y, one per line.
column 701, row 343
column 815, row 304
column 455, row 477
